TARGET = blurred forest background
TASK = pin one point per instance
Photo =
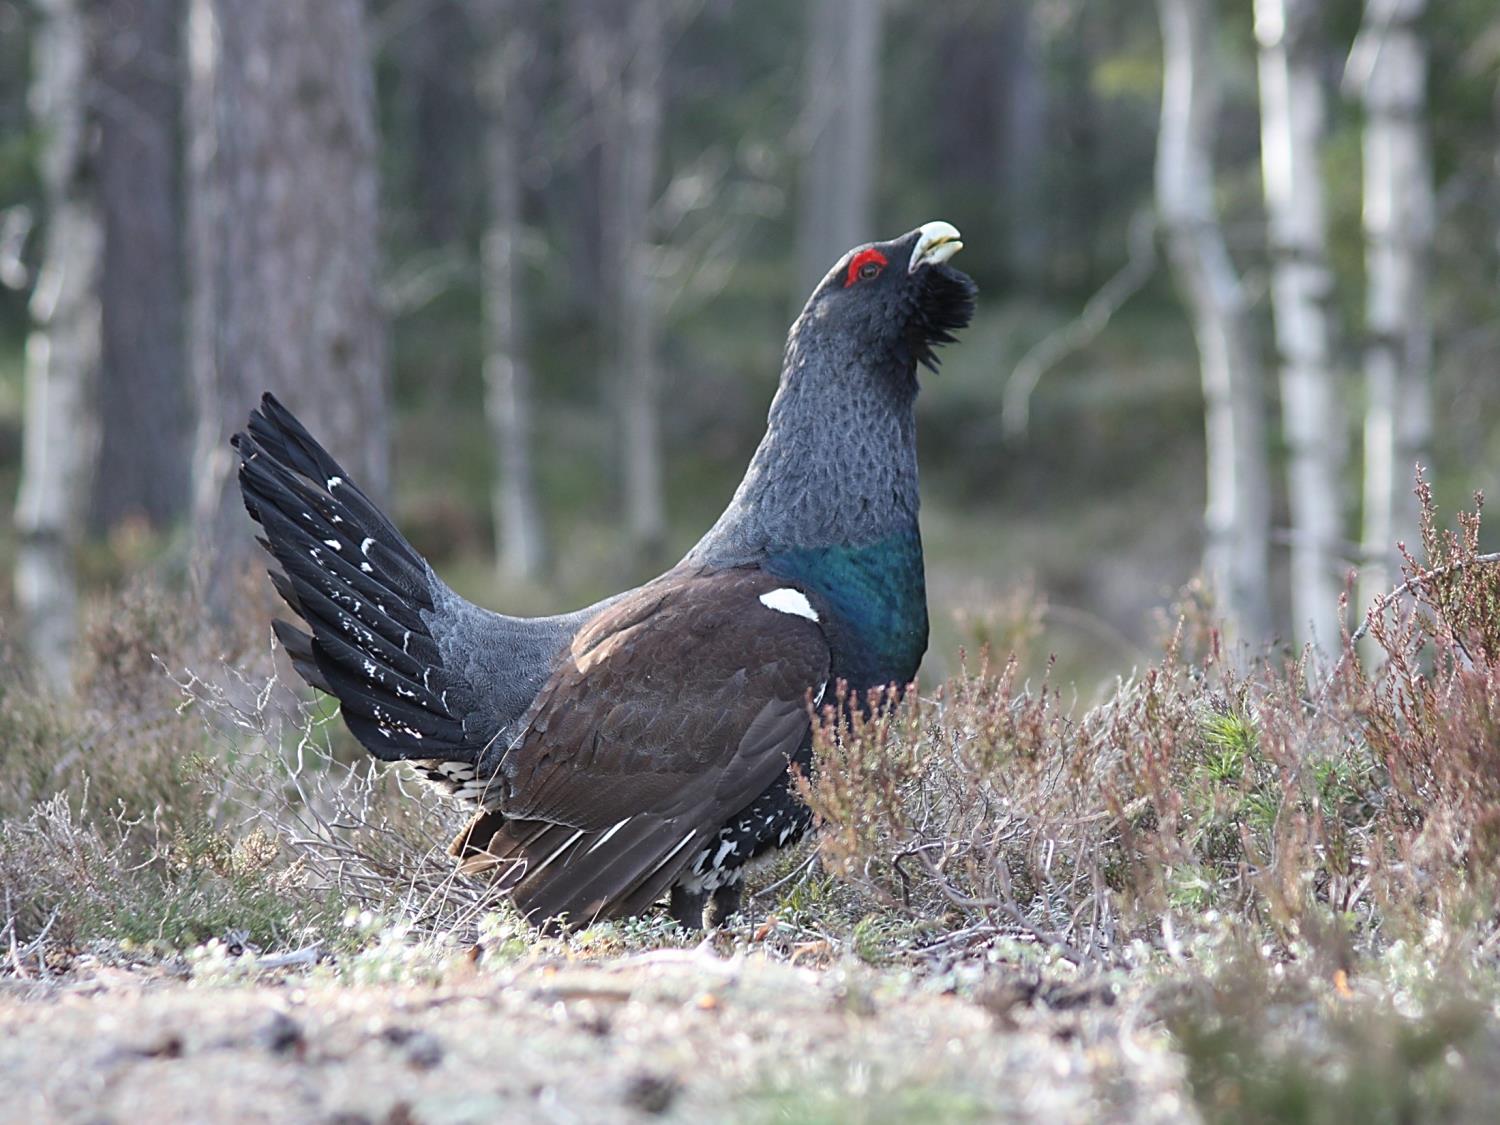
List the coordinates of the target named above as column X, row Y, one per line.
column 527, row 269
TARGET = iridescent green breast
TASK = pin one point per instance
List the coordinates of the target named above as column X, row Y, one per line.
column 878, row 595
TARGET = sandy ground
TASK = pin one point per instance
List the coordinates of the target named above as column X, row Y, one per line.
column 674, row 1036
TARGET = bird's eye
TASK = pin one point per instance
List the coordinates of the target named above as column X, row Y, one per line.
column 867, row 264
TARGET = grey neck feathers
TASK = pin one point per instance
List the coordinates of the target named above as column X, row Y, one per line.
column 838, row 463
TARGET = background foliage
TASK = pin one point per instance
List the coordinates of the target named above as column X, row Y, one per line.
column 1091, row 820
column 1097, row 507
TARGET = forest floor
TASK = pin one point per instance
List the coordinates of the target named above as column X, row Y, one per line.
column 1210, row 894
column 674, row 1034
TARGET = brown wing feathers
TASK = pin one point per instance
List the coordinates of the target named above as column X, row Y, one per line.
column 582, row 876
column 675, row 709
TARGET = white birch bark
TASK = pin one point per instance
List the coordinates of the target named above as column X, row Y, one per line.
column 1238, row 506
column 519, row 543
column 1292, row 110
column 62, row 352
column 840, row 128
column 1388, row 68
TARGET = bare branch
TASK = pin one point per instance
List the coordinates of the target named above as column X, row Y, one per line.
column 1078, row 333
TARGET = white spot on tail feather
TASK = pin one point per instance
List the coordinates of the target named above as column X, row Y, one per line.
column 364, row 548
column 334, row 482
column 788, row 600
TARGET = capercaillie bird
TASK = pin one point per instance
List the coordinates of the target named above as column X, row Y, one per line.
column 642, row 747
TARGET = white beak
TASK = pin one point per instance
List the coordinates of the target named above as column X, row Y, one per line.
column 937, row 242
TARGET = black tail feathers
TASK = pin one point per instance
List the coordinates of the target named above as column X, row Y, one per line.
column 362, row 589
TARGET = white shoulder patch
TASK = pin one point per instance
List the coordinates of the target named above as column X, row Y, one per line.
column 788, row 600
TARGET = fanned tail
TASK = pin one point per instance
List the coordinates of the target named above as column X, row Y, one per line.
column 365, row 594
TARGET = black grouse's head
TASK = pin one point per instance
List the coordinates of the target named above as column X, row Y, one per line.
column 899, row 298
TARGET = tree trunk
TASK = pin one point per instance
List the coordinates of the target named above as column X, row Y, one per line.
column 1292, row 106
column 1388, row 66
column 574, row 201
column 1081, row 144
column 630, row 142
column 62, row 353
column 988, row 125
column 284, row 255
column 510, row 38
column 1025, row 145
column 840, row 127
column 432, row 55
column 145, row 417
column 1237, row 515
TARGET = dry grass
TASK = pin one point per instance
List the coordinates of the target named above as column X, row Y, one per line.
column 1291, row 869
column 1304, row 859
column 162, row 806
column 1329, row 812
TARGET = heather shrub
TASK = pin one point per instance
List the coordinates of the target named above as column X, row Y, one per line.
column 183, row 792
column 186, row 791
column 1262, row 1044
column 1326, row 811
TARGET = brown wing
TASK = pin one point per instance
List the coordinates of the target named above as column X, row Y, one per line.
column 675, row 709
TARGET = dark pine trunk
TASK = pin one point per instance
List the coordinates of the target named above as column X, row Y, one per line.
column 284, row 259
column 145, row 415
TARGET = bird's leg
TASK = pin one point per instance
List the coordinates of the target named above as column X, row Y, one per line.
column 726, row 901
column 686, row 908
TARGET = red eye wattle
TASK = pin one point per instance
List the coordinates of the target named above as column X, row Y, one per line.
column 867, row 264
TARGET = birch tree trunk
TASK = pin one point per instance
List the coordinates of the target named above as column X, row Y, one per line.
column 1238, row 508
column 840, row 126
column 1292, row 108
column 1388, row 68
column 510, row 40
column 145, row 416
column 630, row 143
column 284, row 257
column 62, row 352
